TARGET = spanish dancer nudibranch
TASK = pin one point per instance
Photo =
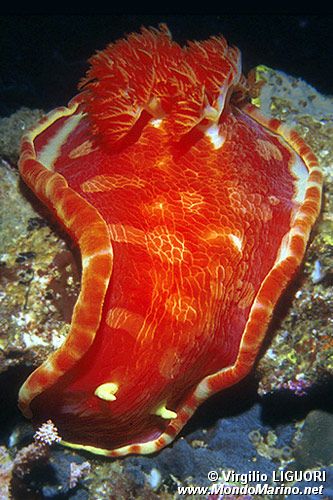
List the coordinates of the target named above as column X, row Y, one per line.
column 191, row 212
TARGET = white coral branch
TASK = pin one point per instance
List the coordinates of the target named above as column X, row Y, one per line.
column 47, row 434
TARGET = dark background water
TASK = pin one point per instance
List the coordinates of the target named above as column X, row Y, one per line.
column 43, row 57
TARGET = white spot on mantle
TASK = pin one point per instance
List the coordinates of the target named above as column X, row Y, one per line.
column 213, row 134
column 156, row 122
column 236, row 241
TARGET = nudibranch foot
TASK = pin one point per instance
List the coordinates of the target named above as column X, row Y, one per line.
column 192, row 213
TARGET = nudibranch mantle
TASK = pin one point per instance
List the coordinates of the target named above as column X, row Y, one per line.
column 191, row 212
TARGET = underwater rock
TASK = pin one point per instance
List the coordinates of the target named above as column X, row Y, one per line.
column 6, row 468
column 315, row 447
column 301, row 351
column 11, row 130
column 38, row 278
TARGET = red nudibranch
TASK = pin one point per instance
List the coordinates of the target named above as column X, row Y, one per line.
column 191, row 212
